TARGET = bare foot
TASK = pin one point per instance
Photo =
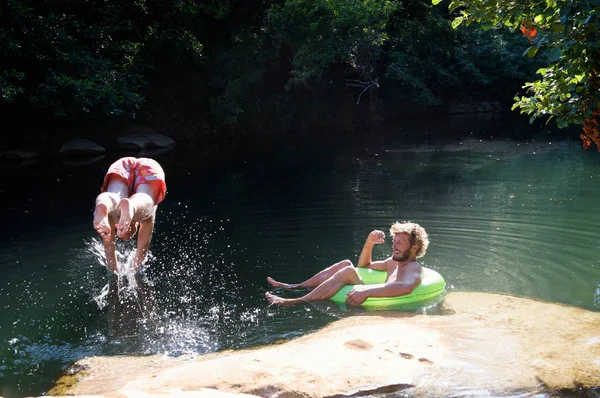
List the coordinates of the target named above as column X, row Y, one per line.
column 133, row 228
column 274, row 283
column 273, row 299
column 124, row 225
column 101, row 223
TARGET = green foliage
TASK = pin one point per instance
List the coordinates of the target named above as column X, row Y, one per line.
column 406, row 48
column 10, row 89
column 316, row 34
column 88, row 59
column 242, row 64
column 237, row 76
column 567, row 33
column 431, row 62
column 56, row 57
column 169, row 30
column 246, row 88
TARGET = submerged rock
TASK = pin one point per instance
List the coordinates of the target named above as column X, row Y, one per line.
column 18, row 158
column 144, row 138
column 81, row 147
column 19, row 154
column 489, row 343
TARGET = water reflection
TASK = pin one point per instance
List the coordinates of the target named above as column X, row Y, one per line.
column 130, row 306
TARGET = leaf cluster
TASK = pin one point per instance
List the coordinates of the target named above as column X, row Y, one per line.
column 567, row 33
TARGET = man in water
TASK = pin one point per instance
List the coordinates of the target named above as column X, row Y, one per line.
column 130, row 194
column 410, row 241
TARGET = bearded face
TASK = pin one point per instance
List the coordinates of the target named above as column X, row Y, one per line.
column 401, row 256
column 402, row 247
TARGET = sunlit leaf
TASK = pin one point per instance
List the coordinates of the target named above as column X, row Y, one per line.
column 457, row 21
column 454, row 5
column 531, row 51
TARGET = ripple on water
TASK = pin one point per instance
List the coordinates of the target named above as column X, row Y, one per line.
column 501, row 220
column 515, row 254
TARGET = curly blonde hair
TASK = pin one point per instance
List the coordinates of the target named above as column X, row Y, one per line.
column 418, row 235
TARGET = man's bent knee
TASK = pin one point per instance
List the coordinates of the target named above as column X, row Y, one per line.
column 348, row 275
column 341, row 265
column 346, row 263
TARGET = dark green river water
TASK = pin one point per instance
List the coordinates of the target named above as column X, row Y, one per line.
column 505, row 216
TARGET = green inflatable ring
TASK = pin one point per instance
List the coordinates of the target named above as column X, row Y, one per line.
column 430, row 290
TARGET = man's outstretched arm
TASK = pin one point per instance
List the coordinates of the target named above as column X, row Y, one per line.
column 409, row 282
column 393, row 289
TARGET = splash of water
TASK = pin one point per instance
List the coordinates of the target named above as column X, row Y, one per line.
column 100, row 299
column 94, row 250
column 185, row 302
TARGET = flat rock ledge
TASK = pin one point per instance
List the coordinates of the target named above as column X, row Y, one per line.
column 487, row 343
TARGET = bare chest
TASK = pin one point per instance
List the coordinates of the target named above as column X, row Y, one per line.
column 395, row 274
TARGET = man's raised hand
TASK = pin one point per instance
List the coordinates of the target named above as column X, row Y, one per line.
column 376, row 237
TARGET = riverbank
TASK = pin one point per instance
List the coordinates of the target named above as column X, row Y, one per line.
column 482, row 342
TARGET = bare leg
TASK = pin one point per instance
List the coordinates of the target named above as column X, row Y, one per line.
column 109, row 248
column 144, row 237
column 101, row 224
column 107, row 205
column 345, row 276
column 315, row 280
column 105, row 213
column 139, row 208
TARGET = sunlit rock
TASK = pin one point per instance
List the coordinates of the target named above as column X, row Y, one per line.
column 484, row 343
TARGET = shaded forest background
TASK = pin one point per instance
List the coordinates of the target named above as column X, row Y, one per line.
column 200, row 70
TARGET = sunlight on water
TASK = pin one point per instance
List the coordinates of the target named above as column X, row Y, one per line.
column 184, row 302
column 135, row 322
column 467, row 392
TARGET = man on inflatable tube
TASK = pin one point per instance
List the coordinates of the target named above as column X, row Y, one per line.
column 410, row 241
